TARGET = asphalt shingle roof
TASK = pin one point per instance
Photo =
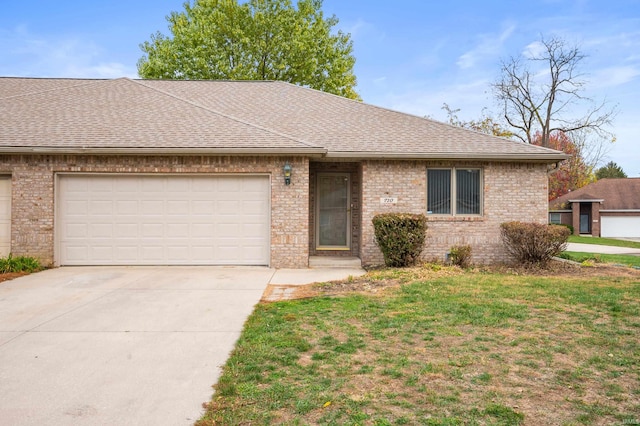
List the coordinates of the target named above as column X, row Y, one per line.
column 617, row 194
column 227, row 116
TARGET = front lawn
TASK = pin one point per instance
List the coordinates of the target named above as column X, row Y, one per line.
column 603, row 241
column 442, row 346
column 621, row 259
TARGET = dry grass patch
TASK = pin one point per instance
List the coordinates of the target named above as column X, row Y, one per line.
column 442, row 346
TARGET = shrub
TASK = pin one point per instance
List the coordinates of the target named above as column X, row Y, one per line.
column 568, row 226
column 534, row 242
column 19, row 264
column 460, row 255
column 400, row 237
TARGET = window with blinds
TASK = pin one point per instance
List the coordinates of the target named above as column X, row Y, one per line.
column 454, row 191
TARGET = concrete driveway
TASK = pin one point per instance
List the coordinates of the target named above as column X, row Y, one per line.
column 119, row 345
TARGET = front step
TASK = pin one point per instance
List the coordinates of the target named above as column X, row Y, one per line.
column 334, row 262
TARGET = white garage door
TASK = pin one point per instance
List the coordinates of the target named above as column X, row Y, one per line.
column 162, row 220
column 620, row 226
column 5, row 215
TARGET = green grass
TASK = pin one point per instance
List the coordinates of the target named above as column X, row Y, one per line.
column 586, row 258
column 440, row 347
column 603, row 241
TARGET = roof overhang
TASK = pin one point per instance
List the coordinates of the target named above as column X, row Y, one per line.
column 310, row 152
column 316, row 152
column 542, row 157
column 586, row 200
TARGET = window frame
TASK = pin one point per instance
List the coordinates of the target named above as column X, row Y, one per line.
column 453, row 174
column 559, row 216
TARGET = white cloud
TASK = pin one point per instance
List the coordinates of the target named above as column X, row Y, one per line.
column 471, row 98
column 614, row 76
column 361, row 29
column 28, row 54
column 534, row 50
column 489, row 46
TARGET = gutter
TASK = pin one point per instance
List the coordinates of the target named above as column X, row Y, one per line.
column 315, row 152
column 595, row 200
column 547, row 158
column 311, row 152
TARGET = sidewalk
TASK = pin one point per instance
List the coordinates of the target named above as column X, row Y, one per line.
column 285, row 282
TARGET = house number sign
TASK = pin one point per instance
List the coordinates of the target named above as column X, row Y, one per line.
column 389, row 200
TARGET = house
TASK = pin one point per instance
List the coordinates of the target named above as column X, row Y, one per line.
column 120, row 172
column 605, row 208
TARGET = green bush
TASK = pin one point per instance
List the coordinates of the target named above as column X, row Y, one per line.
column 534, row 242
column 460, row 255
column 19, row 264
column 568, row 226
column 400, row 237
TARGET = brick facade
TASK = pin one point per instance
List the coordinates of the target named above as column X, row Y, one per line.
column 512, row 191
column 33, row 188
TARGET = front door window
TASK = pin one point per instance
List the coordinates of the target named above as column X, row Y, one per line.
column 584, row 224
column 333, row 218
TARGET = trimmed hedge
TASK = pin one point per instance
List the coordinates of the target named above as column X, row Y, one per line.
column 400, row 237
column 534, row 242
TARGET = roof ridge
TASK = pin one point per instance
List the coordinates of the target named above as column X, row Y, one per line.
column 197, row 105
column 39, row 92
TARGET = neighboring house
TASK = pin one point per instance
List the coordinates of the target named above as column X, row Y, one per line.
column 605, row 208
column 114, row 172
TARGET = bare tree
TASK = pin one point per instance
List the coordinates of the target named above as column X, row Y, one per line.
column 538, row 99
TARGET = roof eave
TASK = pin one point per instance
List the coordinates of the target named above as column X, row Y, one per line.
column 542, row 157
column 587, row 200
column 310, row 152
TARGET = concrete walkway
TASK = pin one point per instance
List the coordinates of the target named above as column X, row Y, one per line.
column 125, row 345
column 596, row 248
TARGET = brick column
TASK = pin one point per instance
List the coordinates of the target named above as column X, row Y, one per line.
column 595, row 219
column 575, row 217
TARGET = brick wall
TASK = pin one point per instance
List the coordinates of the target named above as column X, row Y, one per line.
column 32, row 222
column 512, row 191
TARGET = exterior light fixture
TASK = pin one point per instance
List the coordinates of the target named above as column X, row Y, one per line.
column 286, row 171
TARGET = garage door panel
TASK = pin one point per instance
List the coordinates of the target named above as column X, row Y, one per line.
column 202, row 207
column 122, row 254
column 100, row 207
column 79, row 252
column 101, row 230
column 179, row 207
column 151, row 207
column 77, row 230
column 102, row 252
column 203, row 230
column 118, row 219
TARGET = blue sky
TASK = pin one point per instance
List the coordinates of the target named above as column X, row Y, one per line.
column 412, row 55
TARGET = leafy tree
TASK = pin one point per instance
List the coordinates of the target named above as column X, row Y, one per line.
column 487, row 124
column 537, row 92
column 253, row 40
column 610, row 170
column 571, row 174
